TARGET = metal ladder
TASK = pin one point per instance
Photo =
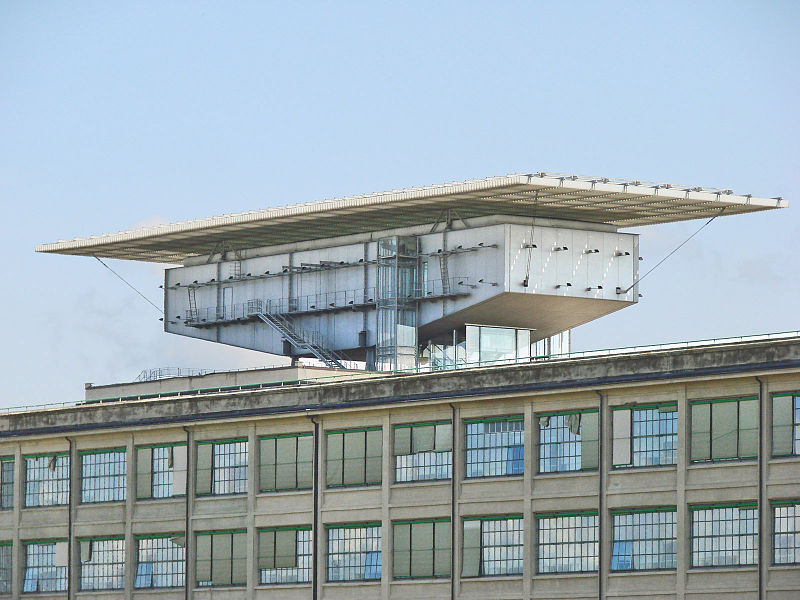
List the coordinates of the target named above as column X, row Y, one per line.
column 285, row 327
column 193, row 314
column 445, row 274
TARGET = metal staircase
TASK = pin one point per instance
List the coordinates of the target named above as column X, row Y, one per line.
column 302, row 341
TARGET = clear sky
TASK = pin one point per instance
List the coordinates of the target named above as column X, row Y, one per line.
column 115, row 115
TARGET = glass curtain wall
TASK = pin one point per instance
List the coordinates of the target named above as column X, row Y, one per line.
column 398, row 263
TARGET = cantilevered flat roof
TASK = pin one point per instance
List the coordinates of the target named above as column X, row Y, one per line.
column 545, row 195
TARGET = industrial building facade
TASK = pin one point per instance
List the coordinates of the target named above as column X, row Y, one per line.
column 655, row 474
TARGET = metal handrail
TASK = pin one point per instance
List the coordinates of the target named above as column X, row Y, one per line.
column 417, row 370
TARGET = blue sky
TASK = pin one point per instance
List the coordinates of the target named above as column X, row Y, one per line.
column 115, row 115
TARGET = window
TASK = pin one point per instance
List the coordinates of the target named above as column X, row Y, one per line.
column 161, row 561
column 786, row 533
column 46, row 566
column 645, row 436
column 354, row 552
column 287, row 462
column 102, row 564
column 724, row 429
column 724, row 535
column 161, row 471
column 47, row 480
column 495, row 446
column 568, row 441
column 492, row 546
column 221, row 558
column 567, row 542
column 421, row 549
column 354, row 457
column 6, row 569
column 284, row 555
column 644, row 540
column 103, row 474
column 786, row 424
column 6, row 482
column 423, row 451
column 222, row 467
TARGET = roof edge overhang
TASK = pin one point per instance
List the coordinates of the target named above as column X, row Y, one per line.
column 570, row 197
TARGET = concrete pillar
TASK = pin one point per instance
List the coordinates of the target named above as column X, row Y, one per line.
column 253, row 462
column 683, row 527
column 528, row 537
column 387, row 477
column 130, row 506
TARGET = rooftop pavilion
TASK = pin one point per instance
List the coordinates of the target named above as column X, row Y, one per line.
column 443, row 276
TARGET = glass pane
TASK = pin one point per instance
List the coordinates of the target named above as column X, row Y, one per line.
column 589, row 440
column 203, row 558
column 267, row 465
column 748, row 428
column 422, row 536
column 472, row 549
column 724, row 427
column 221, row 554
column 423, row 438
column 204, row 452
column 422, row 563
column 286, row 549
column 266, row 549
column 402, row 441
column 782, row 412
column 239, row 559
column 355, row 444
column 444, row 437
column 701, row 431
column 354, row 471
column 144, row 458
column 335, row 443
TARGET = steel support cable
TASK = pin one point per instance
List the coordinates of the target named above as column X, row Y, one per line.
column 681, row 245
column 150, row 302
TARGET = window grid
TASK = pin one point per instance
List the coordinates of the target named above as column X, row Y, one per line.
column 161, row 562
column 644, row 541
column 495, row 447
column 6, row 569
column 568, row 441
column 654, row 436
column 423, row 452
column 354, row 552
column 47, row 480
column 6, row 483
column 229, row 471
column 724, row 536
column 354, row 457
column 162, row 472
column 103, row 476
column 501, row 546
column 301, row 571
column 102, row 564
column 41, row 573
column 422, row 548
column 706, row 444
column 279, row 470
column 786, row 534
column 567, row 543
column 224, row 560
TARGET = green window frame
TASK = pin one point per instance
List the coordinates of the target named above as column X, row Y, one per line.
column 6, row 482
column 644, row 435
column 423, row 451
column 221, row 558
column 286, row 462
column 786, row 424
column 160, row 561
column 102, row 563
column 354, row 457
column 6, row 567
column 724, row 429
column 354, row 552
column 644, row 539
column 724, row 535
column 285, row 555
column 492, row 546
column 569, row 441
column 104, row 475
column 786, row 532
column 222, row 467
column 494, row 446
column 161, row 470
column 567, row 542
column 45, row 566
column 47, row 479
column 421, row 548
